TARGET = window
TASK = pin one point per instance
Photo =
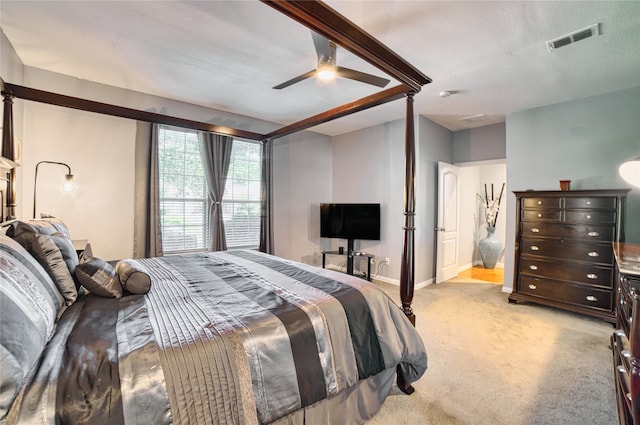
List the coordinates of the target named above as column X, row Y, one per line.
column 184, row 202
column 241, row 200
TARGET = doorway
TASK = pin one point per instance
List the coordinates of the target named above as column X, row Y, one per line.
column 472, row 228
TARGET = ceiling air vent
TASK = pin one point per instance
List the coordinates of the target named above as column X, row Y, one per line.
column 475, row 118
column 574, row 37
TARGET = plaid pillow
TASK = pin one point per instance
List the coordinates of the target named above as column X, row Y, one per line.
column 99, row 277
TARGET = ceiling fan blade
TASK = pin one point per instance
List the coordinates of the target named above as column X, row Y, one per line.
column 296, row 79
column 361, row 76
column 325, row 49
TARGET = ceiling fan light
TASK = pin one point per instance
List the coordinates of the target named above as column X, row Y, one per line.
column 326, row 72
column 630, row 171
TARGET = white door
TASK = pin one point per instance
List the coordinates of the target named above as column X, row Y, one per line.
column 447, row 228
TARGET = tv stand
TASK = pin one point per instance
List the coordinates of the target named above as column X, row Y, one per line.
column 350, row 257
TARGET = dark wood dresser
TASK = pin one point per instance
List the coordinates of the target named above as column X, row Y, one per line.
column 625, row 341
column 563, row 253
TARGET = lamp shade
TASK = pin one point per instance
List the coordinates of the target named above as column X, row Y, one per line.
column 69, row 187
column 630, row 171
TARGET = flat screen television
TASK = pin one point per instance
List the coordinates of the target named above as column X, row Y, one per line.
column 350, row 221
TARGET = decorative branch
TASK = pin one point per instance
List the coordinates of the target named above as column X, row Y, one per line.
column 491, row 205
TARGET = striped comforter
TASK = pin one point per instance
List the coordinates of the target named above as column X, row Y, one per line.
column 235, row 337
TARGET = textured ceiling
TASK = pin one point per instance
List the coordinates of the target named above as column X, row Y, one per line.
column 228, row 54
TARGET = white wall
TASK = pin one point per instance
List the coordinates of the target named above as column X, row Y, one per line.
column 100, row 152
column 469, row 228
column 583, row 141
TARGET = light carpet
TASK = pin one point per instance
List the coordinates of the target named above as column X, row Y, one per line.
column 495, row 363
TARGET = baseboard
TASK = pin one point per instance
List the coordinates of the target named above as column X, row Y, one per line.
column 384, row 279
column 396, row 282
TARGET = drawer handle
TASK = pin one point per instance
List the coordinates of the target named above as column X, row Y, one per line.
column 592, row 276
column 535, row 230
column 593, row 234
column 533, row 267
column 589, row 216
column 533, row 287
column 534, row 248
column 539, row 202
column 539, row 215
column 591, row 298
column 588, row 202
column 593, row 254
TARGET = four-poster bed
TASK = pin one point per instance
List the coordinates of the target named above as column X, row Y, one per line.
column 328, row 23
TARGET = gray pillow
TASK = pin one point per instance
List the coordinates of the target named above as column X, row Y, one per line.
column 29, row 305
column 134, row 276
column 99, row 278
column 25, row 232
column 46, row 248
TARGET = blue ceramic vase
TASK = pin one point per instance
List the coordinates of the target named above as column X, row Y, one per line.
column 490, row 249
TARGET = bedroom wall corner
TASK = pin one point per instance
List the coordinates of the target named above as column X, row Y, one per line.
column 302, row 169
column 368, row 167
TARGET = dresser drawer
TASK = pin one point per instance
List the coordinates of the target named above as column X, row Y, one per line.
column 542, row 202
column 573, row 231
column 566, row 292
column 541, row 215
column 561, row 249
column 591, row 202
column 569, row 271
column 628, row 291
column 595, row 217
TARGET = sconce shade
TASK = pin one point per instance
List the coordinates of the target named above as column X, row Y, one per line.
column 630, row 171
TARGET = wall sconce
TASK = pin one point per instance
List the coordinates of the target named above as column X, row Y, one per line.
column 630, row 171
column 68, row 187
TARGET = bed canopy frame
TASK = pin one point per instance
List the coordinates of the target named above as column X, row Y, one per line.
column 320, row 18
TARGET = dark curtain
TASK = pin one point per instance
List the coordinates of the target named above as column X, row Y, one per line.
column 266, row 229
column 216, row 157
column 147, row 241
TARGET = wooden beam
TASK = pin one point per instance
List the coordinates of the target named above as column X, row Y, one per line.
column 380, row 98
column 322, row 19
column 50, row 98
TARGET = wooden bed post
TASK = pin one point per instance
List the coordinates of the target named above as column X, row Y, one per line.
column 407, row 278
column 8, row 152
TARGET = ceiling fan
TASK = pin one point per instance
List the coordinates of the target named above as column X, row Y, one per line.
column 328, row 69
